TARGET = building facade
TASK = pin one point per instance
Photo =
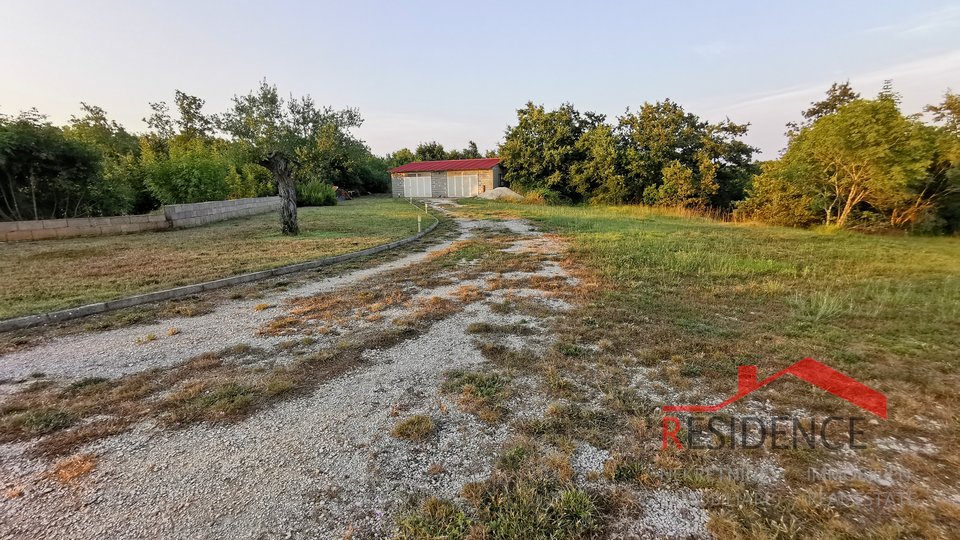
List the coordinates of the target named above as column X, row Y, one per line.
column 450, row 178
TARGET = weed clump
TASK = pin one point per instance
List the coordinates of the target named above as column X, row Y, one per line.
column 198, row 401
column 415, row 428
column 436, row 518
column 481, row 394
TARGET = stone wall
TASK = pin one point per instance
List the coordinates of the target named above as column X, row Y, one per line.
column 174, row 216
column 438, row 183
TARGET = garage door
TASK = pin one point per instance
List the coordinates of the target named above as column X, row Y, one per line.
column 417, row 186
column 462, row 184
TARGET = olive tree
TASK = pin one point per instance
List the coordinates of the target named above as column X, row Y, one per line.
column 282, row 134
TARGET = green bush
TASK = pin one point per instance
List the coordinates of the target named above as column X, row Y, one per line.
column 250, row 180
column 544, row 196
column 316, row 193
column 192, row 172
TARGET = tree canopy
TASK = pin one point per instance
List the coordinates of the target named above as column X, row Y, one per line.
column 660, row 155
column 47, row 174
column 431, row 151
column 863, row 164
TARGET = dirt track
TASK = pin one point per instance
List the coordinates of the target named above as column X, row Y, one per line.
column 321, row 465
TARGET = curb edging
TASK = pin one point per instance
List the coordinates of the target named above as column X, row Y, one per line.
column 30, row 321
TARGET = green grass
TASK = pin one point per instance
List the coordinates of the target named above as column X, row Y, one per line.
column 725, row 283
column 56, row 274
column 690, row 299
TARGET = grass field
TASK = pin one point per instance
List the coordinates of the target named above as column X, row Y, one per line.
column 55, row 274
column 690, row 299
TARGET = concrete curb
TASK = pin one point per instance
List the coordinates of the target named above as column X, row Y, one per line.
column 30, row 321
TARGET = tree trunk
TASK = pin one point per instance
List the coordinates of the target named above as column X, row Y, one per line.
column 853, row 199
column 281, row 167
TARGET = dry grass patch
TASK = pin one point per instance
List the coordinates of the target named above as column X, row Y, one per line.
column 56, row 274
column 414, row 428
column 337, row 307
column 519, row 329
column 203, row 388
column 71, row 469
column 13, row 492
column 468, row 294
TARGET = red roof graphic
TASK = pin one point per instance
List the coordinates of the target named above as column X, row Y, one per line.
column 809, row 370
column 448, row 165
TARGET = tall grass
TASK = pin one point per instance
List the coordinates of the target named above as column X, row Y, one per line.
column 704, row 274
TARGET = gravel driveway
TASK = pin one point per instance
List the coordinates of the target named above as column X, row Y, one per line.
column 322, row 465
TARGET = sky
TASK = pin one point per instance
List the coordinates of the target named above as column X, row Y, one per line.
column 455, row 71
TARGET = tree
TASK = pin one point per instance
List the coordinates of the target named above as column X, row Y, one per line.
column 282, row 134
column 471, row 151
column 159, row 121
column 340, row 159
column 661, row 137
column 401, row 157
column 119, row 155
column 44, row 174
column 947, row 113
column 597, row 176
column 189, row 173
column 779, row 195
column 888, row 93
column 838, row 95
column 865, row 157
column 540, row 152
column 945, row 172
column 430, row 151
column 192, row 121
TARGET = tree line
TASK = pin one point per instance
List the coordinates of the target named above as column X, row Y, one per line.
column 850, row 163
column 434, row 151
column 657, row 155
column 264, row 143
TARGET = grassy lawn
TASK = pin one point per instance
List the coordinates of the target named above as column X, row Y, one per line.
column 686, row 300
column 56, row 274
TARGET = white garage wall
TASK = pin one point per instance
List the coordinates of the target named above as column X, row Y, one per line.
column 463, row 184
column 417, row 185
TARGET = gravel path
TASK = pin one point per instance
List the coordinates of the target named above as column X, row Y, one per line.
column 319, row 466
column 313, row 467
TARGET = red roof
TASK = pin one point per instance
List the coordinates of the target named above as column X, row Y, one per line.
column 448, row 165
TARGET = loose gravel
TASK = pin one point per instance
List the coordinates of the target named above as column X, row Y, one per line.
column 320, row 466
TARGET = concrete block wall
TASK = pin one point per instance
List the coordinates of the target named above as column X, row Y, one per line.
column 438, row 183
column 396, row 184
column 196, row 214
column 12, row 231
column 174, row 216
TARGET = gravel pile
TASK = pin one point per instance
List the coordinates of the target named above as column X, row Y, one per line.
column 501, row 194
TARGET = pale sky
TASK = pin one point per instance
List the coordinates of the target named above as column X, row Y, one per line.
column 454, row 71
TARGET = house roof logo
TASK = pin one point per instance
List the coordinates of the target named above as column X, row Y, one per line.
column 813, row 372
